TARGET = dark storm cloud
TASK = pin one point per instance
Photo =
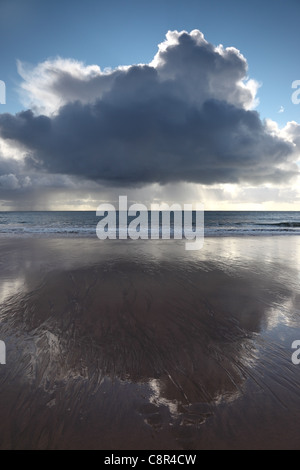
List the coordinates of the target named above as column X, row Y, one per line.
column 10, row 175
column 162, row 140
column 184, row 117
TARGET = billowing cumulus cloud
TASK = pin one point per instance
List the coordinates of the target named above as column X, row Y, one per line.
column 187, row 117
column 52, row 84
column 159, row 140
column 197, row 70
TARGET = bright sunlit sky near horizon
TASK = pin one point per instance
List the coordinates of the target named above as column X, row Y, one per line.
column 46, row 51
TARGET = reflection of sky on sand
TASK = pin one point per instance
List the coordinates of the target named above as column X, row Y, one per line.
column 158, row 399
column 246, row 252
column 10, row 287
column 190, row 412
column 191, row 331
column 286, row 313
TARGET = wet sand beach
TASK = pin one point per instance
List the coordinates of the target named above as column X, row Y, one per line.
column 143, row 345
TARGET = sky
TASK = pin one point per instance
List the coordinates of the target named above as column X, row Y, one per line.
column 162, row 101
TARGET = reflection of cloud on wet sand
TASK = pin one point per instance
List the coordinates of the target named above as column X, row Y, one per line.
column 157, row 346
column 10, row 287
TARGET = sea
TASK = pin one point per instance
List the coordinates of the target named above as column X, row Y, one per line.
column 84, row 224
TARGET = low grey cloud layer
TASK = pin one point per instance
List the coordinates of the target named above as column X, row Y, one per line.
column 186, row 117
column 161, row 140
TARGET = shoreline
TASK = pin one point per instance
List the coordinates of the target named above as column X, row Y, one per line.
column 91, row 236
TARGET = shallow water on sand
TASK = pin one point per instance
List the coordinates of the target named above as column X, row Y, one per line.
column 142, row 345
